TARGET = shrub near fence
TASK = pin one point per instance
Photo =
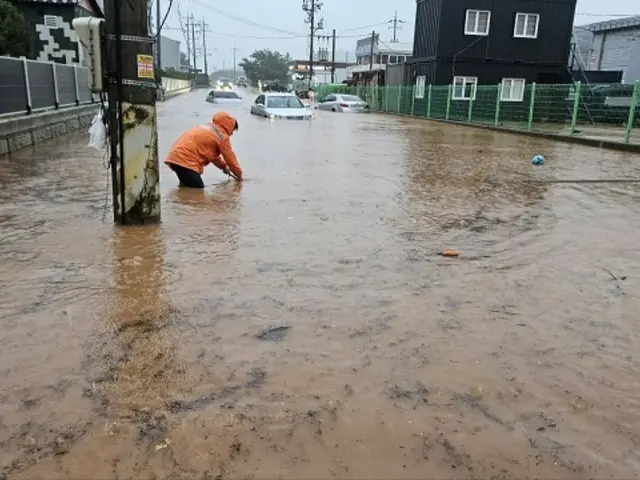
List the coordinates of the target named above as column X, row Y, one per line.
column 605, row 112
column 30, row 85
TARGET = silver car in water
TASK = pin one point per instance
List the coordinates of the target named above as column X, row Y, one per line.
column 280, row 105
column 337, row 102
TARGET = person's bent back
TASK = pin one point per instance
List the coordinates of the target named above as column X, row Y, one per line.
column 202, row 145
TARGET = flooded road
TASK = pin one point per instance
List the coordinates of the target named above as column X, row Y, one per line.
column 304, row 324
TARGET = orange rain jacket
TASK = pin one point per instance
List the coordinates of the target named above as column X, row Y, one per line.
column 205, row 144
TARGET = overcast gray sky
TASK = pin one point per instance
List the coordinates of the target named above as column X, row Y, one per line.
column 279, row 24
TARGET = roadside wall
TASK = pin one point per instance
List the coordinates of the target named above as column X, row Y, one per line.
column 20, row 131
column 24, row 131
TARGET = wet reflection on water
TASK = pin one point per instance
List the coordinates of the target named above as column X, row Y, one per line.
column 304, row 325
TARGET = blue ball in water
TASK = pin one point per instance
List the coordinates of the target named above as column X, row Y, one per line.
column 538, row 160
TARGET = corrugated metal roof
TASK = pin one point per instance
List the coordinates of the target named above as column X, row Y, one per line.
column 627, row 22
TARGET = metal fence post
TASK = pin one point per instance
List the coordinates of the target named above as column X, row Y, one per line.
column 576, row 106
column 75, row 82
column 632, row 112
column 413, row 99
column 496, row 119
column 449, row 92
column 386, row 99
column 25, row 68
column 399, row 97
column 470, row 110
column 429, row 102
column 532, row 105
column 55, row 85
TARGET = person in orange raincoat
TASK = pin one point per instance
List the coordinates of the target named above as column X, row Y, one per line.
column 202, row 145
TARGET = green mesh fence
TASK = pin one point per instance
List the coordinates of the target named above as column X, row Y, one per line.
column 604, row 112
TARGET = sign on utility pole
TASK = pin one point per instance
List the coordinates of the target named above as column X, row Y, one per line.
column 132, row 94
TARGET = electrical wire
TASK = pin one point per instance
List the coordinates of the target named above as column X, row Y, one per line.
column 289, row 34
column 239, row 19
column 364, row 27
column 290, row 37
column 166, row 15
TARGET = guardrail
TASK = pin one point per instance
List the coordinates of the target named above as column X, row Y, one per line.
column 28, row 86
column 175, row 84
column 607, row 112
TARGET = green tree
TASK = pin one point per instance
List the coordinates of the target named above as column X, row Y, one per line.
column 14, row 40
column 184, row 61
column 266, row 65
column 173, row 73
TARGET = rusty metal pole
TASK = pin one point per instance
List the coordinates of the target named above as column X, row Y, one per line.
column 132, row 93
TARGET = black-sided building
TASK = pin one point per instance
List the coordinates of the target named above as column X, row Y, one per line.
column 488, row 41
column 49, row 24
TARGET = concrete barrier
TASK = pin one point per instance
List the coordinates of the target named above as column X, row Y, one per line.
column 22, row 131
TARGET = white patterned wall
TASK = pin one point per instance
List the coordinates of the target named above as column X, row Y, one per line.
column 51, row 50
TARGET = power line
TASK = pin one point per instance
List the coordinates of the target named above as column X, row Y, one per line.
column 185, row 32
column 289, row 37
column 164, row 19
column 237, row 18
column 365, row 27
column 289, row 34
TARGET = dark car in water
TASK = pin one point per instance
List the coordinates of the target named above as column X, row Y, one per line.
column 275, row 87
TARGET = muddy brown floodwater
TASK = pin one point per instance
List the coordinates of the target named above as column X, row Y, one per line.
column 304, row 325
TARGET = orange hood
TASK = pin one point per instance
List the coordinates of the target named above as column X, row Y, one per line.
column 226, row 121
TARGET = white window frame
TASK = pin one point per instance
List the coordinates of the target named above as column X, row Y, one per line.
column 527, row 19
column 465, row 81
column 475, row 30
column 421, row 82
column 511, row 82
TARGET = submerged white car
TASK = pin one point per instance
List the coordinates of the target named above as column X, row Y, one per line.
column 343, row 103
column 280, row 105
column 219, row 96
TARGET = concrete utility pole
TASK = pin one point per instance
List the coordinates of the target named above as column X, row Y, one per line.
column 193, row 41
column 396, row 25
column 373, row 43
column 158, row 38
column 311, row 32
column 333, row 56
column 311, row 10
column 188, row 41
column 234, row 62
column 132, row 113
column 203, row 30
